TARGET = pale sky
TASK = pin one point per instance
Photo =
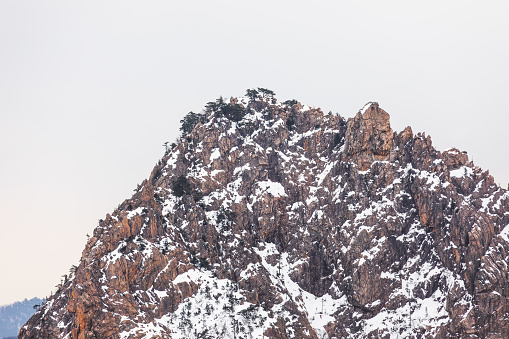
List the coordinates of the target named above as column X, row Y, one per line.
column 90, row 90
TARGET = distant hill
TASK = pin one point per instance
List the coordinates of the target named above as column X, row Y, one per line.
column 13, row 316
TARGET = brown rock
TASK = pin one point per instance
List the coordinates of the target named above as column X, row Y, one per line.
column 368, row 136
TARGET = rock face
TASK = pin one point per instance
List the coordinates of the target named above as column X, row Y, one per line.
column 274, row 220
column 368, row 136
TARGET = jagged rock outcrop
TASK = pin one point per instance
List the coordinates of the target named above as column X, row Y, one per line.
column 368, row 136
column 276, row 220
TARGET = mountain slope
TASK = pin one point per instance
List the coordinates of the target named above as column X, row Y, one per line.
column 276, row 220
column 13, row 316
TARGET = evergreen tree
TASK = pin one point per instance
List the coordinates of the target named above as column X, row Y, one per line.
column 190, row 121
column 252, row 94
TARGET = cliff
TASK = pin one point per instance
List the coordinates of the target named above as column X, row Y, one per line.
column 276, row 220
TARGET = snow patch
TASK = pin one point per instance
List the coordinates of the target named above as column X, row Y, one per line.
column 463, row 171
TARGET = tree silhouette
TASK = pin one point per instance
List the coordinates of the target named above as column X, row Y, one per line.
column 266, row 93
column 252, row 94
column 188, row 123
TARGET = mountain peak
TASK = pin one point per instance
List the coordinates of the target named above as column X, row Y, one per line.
column 368, row 136
column 368, row 106
column 275, row 220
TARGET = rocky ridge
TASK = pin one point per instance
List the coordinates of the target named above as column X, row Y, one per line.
column 275, row 220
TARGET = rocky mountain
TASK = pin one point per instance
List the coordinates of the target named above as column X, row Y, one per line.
column 275, row 220
column 13, row 316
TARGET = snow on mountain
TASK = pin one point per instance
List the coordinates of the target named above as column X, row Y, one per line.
column 275, row 220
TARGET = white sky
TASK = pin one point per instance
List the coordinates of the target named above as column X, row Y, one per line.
column 89, row 92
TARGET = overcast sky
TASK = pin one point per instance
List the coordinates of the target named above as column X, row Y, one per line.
column 90, row 90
